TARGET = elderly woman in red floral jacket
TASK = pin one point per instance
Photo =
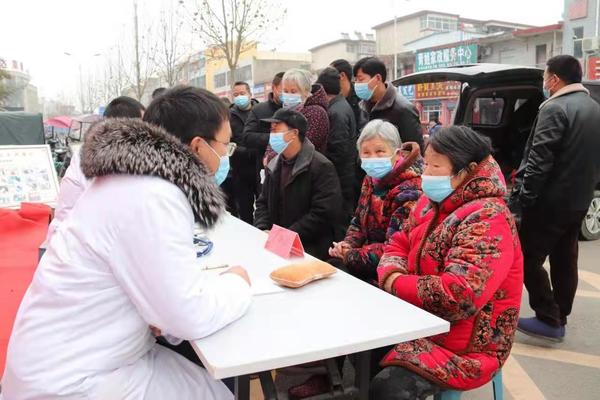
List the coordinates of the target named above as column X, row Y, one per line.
column 459, row 258
column 389, row 191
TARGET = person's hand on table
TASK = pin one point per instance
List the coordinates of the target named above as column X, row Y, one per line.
column 237, row 270
column 339, row 250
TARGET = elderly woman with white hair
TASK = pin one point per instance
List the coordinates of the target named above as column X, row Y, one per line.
column 389, row 191
column 310, row 100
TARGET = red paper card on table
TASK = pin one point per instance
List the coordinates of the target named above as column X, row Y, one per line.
column 284, row 243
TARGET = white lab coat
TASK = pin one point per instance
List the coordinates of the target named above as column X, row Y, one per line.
column 72, row 186
column 121, row 261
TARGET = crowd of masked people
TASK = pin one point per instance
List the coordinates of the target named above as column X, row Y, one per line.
column 341, row 161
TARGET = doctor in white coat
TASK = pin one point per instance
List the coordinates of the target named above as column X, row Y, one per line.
column 124, row 260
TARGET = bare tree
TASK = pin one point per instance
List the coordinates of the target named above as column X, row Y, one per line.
column 91, row 93
column 231, row 27
column 172, row 54
column 115, row 74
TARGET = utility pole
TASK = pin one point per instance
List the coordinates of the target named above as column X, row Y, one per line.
column 138, row 77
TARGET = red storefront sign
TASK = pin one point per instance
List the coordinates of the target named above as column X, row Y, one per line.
column 438, row 90
column 593, row 68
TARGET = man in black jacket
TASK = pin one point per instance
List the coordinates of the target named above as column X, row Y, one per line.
column 301, row 190
column 344, row 69
column 242, row 187
column 347, row 87
column 382, row 100
column 256, row 133
column 556, row 181
column 341, row 142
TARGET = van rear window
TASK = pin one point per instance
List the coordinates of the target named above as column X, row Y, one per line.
column 488, row 111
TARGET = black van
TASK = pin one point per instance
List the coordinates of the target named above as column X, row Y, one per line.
column 501, row 101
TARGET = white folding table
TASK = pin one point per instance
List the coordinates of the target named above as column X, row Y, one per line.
column 336, row 316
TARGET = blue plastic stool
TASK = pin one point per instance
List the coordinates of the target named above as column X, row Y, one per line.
column 455, row 395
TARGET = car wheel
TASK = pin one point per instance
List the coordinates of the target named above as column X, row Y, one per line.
column 590, row 228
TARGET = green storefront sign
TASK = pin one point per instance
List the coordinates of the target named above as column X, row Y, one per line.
column 448, row 57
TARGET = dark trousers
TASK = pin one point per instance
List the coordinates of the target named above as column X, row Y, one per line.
column 244, row 195
column 551, row 234
column 241, row 193
column 227, row 187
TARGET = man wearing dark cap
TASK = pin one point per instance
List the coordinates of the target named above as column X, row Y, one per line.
column 301, row 191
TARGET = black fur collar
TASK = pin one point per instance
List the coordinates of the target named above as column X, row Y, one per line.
column 134, row 147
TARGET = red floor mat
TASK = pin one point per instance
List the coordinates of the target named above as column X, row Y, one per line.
column 21, row 233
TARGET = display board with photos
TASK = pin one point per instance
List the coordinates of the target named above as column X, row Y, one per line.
column 27, row 174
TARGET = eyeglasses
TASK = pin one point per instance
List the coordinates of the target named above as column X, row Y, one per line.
column 231, row 146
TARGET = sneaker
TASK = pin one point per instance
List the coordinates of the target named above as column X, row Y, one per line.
column 537, row 328
column 315, row 385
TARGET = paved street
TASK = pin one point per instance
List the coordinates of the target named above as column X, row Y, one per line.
column 538, row 370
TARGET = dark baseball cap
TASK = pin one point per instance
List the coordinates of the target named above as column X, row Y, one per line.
column 291, row 118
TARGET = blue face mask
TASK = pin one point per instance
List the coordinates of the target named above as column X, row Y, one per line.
column 241, row 101
column 437, row 188
column 290, row 100
column 376, row 167
column 363, row 91
column 223, row 169
column 277, row 142
column 547, row 93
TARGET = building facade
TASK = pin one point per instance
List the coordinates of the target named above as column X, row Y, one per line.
column 582, row 34
column 346, row 48
column 527, row 47
column 209, row 69
column 428, row 40
column 397, row 36
column 23, row 95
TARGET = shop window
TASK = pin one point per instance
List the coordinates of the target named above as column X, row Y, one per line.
column 432, row 111
column 221, row 80
column 578, row 42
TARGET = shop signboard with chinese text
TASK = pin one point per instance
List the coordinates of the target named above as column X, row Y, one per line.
column 408, row 92
column 442, row 58
column 437, row 90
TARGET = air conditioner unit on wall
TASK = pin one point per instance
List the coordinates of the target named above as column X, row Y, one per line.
column 591, row 44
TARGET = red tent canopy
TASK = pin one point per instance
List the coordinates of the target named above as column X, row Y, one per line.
column 59, row 122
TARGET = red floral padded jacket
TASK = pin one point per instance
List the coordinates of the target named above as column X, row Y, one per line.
column 460, row 260
column 382, row 209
